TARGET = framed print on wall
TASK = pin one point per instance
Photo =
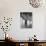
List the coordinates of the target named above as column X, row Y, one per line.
column 26, row 19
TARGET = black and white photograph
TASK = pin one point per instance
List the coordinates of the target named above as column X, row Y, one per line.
column 26, row 19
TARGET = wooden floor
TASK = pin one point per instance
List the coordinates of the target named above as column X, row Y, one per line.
column 25, row 43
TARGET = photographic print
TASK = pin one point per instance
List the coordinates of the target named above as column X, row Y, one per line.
column 26, row 19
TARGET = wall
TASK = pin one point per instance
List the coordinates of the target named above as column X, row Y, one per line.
column 12, row 8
